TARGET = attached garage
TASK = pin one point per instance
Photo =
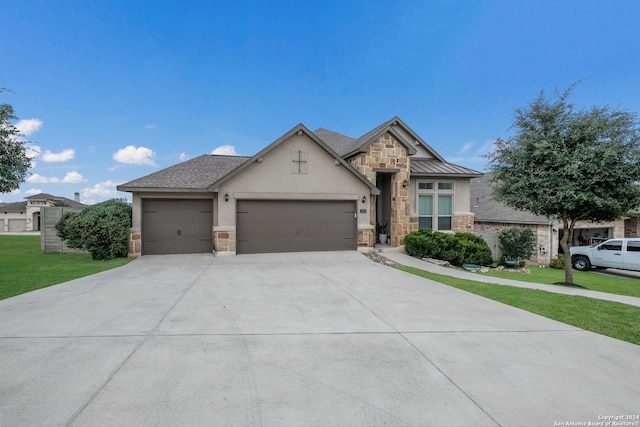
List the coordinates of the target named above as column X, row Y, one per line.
column 176, row 226
column 264, row 226
column 17, row 225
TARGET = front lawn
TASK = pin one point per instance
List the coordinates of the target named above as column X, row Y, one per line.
column 616, row 320
column 24, row 268
column 587, row 279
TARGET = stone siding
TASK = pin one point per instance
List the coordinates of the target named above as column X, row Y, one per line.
column 463, row 223
column 135, row 243
column 224, row 241
column 387, row 153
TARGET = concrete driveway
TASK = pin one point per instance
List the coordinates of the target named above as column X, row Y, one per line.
column 296, row 339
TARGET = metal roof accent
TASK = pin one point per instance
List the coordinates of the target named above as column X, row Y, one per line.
column 433, row 167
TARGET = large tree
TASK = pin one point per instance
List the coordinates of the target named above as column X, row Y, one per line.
column 14, row 162
column 570, row 164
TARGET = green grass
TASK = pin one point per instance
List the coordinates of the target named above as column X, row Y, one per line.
column 616, row 320
column 24, row 268
column 587, row 279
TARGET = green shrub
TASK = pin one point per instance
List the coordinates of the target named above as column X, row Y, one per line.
column 516, row 243
column 557, row 263
column 101, row 229
column 458, row 248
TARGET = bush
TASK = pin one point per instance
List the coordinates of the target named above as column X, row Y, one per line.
column 516, row 243
column 458, row 248
column 557, row 263
column 101, row 229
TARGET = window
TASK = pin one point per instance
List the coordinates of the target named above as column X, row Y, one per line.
column 613, row 245
column 431, row 200
column 633, row 246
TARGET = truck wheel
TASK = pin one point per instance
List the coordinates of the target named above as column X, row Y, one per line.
column 581, row 263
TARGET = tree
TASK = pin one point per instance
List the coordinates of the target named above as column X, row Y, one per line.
column 569, row 164
column 516, row 243
column 14, row 162
column 101, row 229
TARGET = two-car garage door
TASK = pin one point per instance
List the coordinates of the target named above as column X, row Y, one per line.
column 295, row 226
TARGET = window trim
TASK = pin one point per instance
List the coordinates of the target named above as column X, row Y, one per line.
column 435, row 192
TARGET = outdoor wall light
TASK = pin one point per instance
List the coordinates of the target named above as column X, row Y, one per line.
column 226, row 197
column 404, row 184
column 364, row 199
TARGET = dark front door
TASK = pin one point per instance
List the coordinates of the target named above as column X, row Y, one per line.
column 176, row 226
column 295, row 226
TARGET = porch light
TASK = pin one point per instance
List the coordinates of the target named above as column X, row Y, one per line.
column 364, row 199
column 404, row 184
column 226, row 197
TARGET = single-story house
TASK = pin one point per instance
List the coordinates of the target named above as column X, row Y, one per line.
column 306, row 191
column 25, row 216
column 491, row 217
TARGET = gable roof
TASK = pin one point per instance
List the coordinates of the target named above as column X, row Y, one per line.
column 196, row 174
column 348, row 147
column 299, row 129
column 486, row 209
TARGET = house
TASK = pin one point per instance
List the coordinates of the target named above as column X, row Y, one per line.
column 491, row 217
column 307, row 191
column 25, row 216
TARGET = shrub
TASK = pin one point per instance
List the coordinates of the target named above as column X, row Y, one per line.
column 516, row 243
column 557, row 263
column 458, row 248
column 101, row 229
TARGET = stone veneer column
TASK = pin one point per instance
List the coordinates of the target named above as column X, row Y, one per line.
column 135, row 242
column 224, row 241
column 387, row 153
column 464, row 223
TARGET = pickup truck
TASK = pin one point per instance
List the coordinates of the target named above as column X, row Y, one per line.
column 613, row 253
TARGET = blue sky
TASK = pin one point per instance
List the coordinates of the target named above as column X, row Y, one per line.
column 110, row 91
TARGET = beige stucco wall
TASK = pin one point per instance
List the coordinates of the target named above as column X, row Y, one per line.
column 271, row 178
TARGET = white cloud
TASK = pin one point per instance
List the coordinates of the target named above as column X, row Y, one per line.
column 466, row 147
column 73, row 178
column 228, row 150
column 184, row 156
column 32, row 151
column 135, row 156
column 151, row 126
column 101, row 191
column 16, row 191
column 33, row 191
column 62, row 156
column 70, row 178
column 39, row 179
column 486, row 148
column 29, row 126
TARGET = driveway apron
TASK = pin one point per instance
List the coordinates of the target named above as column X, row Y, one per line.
column 320, row 338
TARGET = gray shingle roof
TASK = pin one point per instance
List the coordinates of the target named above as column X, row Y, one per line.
column 486, row 209
column 14, row 207
column 192, row 175
column 339, row 143
column 433, row 167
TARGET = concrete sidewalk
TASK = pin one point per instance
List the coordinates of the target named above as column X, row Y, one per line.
column 409, row 261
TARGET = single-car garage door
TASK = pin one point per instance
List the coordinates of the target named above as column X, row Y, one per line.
column 17, row 225
column 176, row 226
column 295, row 226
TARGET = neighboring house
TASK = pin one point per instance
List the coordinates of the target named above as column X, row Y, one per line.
column 306, row 191
column 25, row 216
column 491, row 217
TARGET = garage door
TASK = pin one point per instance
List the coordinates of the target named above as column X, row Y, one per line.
column 172, row 226
column 17, row 225
column 295, row 226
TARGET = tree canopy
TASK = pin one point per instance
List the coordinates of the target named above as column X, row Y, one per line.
column 568, row 163
column 14, row 162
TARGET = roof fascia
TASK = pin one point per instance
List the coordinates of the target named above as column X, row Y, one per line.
column 303, row 129
column 447, row 175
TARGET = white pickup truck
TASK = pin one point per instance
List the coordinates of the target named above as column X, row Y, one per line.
column 614, row 253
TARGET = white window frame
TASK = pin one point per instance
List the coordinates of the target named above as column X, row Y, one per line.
column 435, row 193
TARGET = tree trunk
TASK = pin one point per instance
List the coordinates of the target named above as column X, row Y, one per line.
column 567, row 237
